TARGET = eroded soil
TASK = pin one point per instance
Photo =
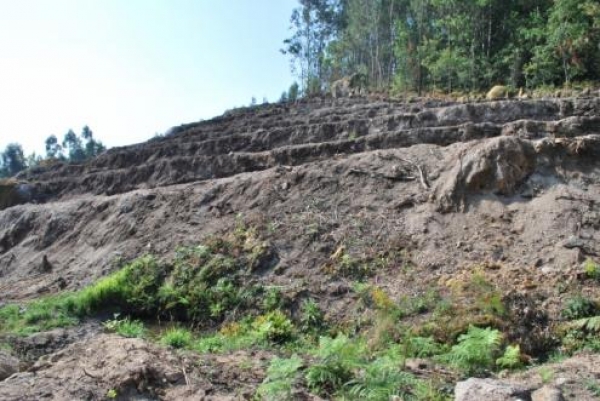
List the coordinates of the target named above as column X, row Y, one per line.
column 507, row 189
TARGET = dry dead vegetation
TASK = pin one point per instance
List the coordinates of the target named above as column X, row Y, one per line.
column 332, row 248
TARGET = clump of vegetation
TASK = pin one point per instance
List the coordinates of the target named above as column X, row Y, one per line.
column 177, row 337
column 126, row 327
column 282, row 376
column 476, row 350
column 131, row 290
column 40, row 315
column 579, row 307
column 336, row 359
column 591, row 269
column 581, row 334
column 312, row 317
column 202, row 285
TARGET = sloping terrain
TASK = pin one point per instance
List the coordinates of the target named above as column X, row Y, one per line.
column 411, row 197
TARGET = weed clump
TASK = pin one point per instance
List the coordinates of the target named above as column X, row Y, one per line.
column 177, row 337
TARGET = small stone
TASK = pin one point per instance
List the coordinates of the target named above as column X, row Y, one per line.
column 416, row 364
column 547, row 393
column 547, row 270
column 561, row 381
column 572, row 242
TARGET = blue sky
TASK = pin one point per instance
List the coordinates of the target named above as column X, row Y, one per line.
column 133, row 68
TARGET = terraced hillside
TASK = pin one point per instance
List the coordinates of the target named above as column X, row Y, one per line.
column 362, row 205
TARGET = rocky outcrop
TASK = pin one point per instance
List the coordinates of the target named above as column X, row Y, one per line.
column 8, row 365
column 490, row 390
column 498, row 166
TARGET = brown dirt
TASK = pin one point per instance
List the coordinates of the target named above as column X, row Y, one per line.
column 507, row 187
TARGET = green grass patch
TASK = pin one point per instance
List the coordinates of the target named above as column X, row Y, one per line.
column 126, row 327
column 177, row 337
column 40, row 315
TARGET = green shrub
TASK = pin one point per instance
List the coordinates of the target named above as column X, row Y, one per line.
column 579, row 307
column 208, row 281
column 177, row 337
column 336, row 360
column 274, row 326
column 475, row 351
column 511, row 358
column 272, row 299
column 133, row 289
column 380, row 380
column 582, row 334
column 311, row 315
column 422, row 347
column 591, row 269
column 282, row 375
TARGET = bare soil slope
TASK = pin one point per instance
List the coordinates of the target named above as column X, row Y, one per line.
column 508, row 188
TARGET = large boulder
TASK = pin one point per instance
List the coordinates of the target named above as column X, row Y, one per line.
column 497, row 92
column 495, row 166
column 8, row 365
column 13, row 192
column 489, row 390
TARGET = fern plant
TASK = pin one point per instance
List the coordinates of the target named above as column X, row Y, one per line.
column 336, row 360
column 282, row 374
column 511, row 358
column 588, row 324
column 476, row 350
column 380, row 380
column 579, row 307
column 582, row 334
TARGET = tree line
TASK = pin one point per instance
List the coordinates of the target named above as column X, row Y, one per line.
column 445, row 45
column 73, row 149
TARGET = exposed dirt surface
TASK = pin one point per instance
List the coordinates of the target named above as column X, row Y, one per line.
column 132, row 368
column 509, row 188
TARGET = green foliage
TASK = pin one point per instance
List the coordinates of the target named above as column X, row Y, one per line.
column 43, row 314
column 353, row 268
column 589, row 324
column 282, row 375
column 336, row 360
column 204, row 284
column 379, row 380
column 274, row 326
column 475, row 351
column 593, row 386
column 210, row 280
column 546, row 374
column 177, row 337
column 293, row 92
column 272, row 299
column 422, row 347
column 511, row 358
column 312, row 317
column 133, row 289
column 12, row 160
column 271, row 329
column 591, row 269
column 579, row 307
column 446, row 45
column 582, row 334
column 125, row 327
